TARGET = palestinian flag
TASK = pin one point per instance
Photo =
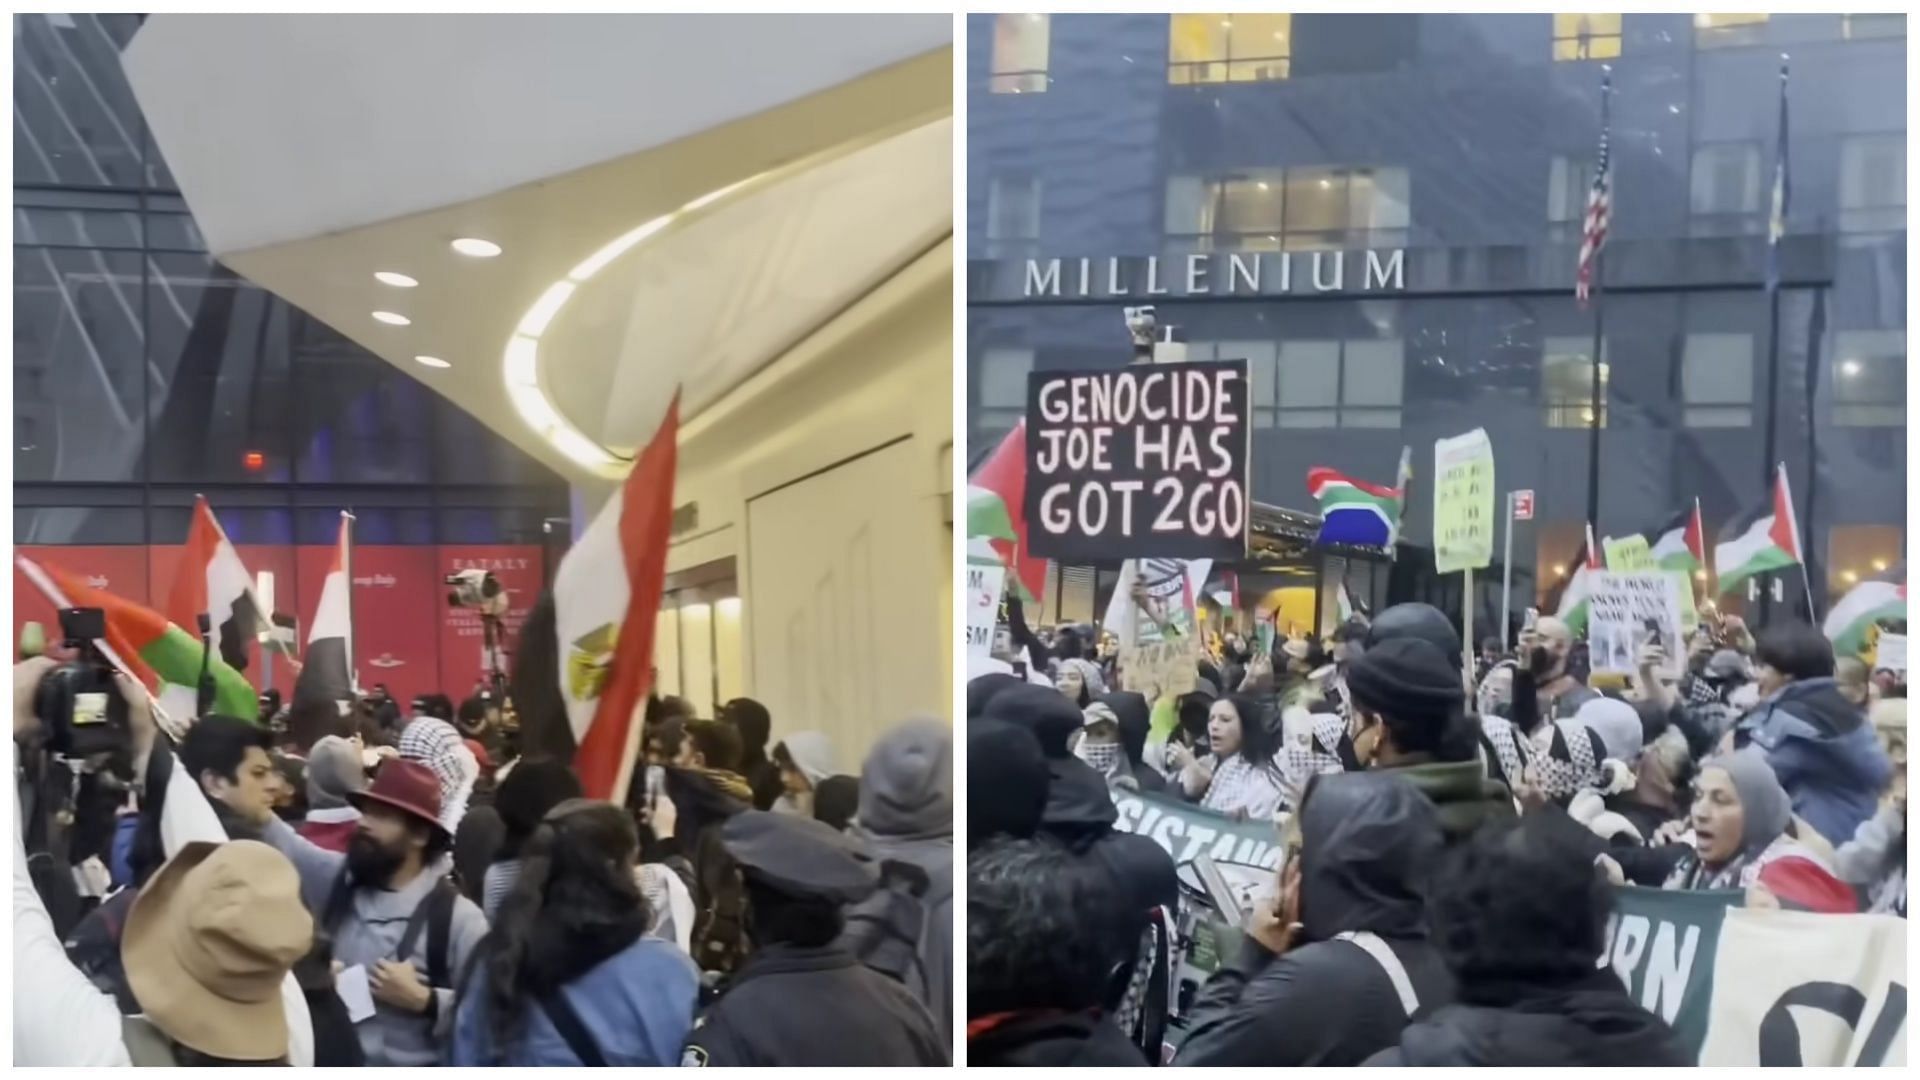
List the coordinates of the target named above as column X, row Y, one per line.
column 158, row 653
column 1681, row 545
column 996, row 501
column 1850, row 624
column 327, row 673
column 1764, row 538
column 1572, row 608
column 606, row 600
column 213, row 582
column 1354, row 512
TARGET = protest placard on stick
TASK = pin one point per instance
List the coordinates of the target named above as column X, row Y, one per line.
column 1629, row 611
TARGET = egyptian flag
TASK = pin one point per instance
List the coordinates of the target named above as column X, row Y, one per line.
column 141, row 642
column 996, row 512
column 606, row 599
column 1763, row 539
column 1682, row 544
column 327, row 674
column 213, row 582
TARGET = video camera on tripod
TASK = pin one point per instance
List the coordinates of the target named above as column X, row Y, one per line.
column 79, row 705
column 479, row 591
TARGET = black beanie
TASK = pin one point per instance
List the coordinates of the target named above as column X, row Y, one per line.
column 1042, row 710
column 1422, row 621
column 1007, row 781
column 1405, row 674
column 982, row 690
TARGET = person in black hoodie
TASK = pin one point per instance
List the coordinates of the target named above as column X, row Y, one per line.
column 1040, row 930
column 1529, row 993
column 1080, row 815
column 1369, row 841
column 1135, row 717
column 755, row 725
column 1006, row 781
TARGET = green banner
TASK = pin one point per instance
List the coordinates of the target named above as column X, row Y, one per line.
column 1662, row 944
column 1241, row 848
column 1628, row 554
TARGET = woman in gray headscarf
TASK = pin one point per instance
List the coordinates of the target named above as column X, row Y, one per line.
column 1743, row 837
column 334, row 771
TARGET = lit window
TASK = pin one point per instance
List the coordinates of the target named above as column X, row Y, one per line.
column 1019, row 54
column 1302, row 209
column 1716, row 380
column 1854, row 27
column 1869, row 378
column 1013, row 216
column 1002, row 391
column 1585, row 36
column 1873, row 183
column 1229, row 48
column 1566, row 381
column 1725, row 30
column 1726, row 189
column 1857, row 553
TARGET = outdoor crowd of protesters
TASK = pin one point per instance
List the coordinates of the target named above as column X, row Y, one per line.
column 1452, row 837
column 373, row 887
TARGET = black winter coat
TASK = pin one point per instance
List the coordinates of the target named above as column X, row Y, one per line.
column 1053, row 1039
column 1369, row 840
column 791, row 1006
column 1591, row 1021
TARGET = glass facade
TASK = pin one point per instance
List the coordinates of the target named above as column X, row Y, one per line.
column 1382, row 214
column 146, row 373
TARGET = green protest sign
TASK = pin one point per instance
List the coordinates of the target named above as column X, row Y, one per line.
column 1628, row 554
column 1662, row 943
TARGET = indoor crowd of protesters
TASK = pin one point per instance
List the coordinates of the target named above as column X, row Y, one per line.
column 1452, row 837
column 386, row 887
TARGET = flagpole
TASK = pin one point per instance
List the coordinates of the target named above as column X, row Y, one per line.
column 346, row 567
column 1599, row 315
column 1776, row 224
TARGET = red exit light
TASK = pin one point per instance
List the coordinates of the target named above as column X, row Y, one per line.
column 254, row 461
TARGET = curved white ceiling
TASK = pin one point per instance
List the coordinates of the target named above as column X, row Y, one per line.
column 282, row 127
column 738, row 286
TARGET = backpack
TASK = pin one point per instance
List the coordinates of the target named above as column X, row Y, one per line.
column 885, row 932
column 433, row 916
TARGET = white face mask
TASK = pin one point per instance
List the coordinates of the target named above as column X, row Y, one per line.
column 1104, row 757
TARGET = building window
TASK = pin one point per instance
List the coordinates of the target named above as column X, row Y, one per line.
column 1013, row 216
column 1716, row 380
column 1002, row 398
column 1569, row 181
column 1726, row 189
column 1873, row 183
column 1855, row 27
column 1229, row 48
column 1723, row 30
column 1857, row 553
column 1019, row 54
column 1585, row 36
column 1301, row 209
column 1318, row 384
column 1869, row 378
column 1566, row 381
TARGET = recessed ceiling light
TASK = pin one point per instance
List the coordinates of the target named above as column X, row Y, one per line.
column 398, row 281
column 475, row 247
column 432, row 362
column 392, row 318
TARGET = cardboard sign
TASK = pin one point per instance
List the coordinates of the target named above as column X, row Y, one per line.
column 1891, row 653
column 1160, row 668
column 1523, row 505
column 1629, row 554
column 1463, row 502
column 1628, row 611
column 983, row 608
column 1145, row 461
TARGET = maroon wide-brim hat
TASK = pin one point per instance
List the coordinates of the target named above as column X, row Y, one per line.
column 406, row 786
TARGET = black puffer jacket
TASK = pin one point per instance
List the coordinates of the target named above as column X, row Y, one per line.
column 1080, row 814
column 1369, row 840
column 1588, row 1022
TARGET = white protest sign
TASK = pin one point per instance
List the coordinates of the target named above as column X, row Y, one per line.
column 983, row 606
column 1891, row 653
column 1628, row 611
column 1171, row 583
column 1463, row 502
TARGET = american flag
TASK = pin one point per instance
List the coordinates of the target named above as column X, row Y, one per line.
column 1599, row 205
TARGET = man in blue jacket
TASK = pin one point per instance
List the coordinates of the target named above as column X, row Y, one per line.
column 1818, row 742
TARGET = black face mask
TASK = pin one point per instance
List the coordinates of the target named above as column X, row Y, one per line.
column 371, row 863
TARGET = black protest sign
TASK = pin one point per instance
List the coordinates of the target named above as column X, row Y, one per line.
column 1138, row 462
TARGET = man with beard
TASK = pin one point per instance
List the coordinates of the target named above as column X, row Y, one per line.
column 393, row 917
column 1559, row 692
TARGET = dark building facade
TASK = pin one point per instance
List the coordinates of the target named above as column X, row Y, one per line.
column 1382, row 213
column 145, row 373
